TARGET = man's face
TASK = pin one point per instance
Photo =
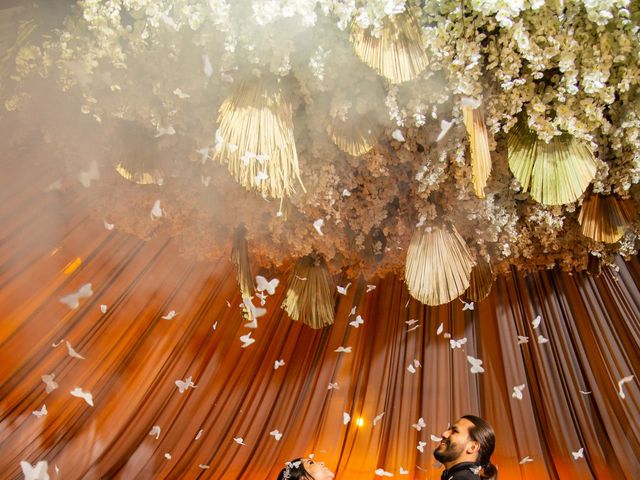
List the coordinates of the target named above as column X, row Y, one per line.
column 455, row 441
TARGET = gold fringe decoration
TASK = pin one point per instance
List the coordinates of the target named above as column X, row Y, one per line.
column 138, row 154
column 311, row 294
column 240, row 258
column 605, row 218
column 255, row 138
column 479, row 144
column 557, row 172
column 481, row 281
column 354, row 137
column 14, row 32
column 397, row 54
column 438, row 265
column 594, row 265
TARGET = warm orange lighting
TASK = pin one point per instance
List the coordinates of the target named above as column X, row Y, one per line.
column 72, row 266
column 360, row 421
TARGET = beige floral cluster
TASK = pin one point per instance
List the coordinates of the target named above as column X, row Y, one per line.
column 565, row 66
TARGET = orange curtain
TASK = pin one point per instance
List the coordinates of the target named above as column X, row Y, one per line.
column 50, row 246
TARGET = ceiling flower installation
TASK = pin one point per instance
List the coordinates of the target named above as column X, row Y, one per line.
column 338, row 131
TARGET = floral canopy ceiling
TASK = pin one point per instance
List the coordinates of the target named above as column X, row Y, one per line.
column 375, row 120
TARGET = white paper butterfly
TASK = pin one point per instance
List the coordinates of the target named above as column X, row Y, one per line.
column 185, row 385
column 73, row 300
column 419, row 425
column 457, row 343
column 517, row 391
column 476, row 364
column 383, row 473
column 78, row 392
column 247, row 340
column 263, row 284
column 37, row 472
column 357, row 322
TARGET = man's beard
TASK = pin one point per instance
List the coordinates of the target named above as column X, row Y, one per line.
column 449, row 454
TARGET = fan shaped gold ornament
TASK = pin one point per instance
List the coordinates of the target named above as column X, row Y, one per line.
column 137, row 154
column 240, row 258
column 255, row 138
column 480, row 282
column 478, row 142
column 555, row 173
column 354, row 137
column 604, row 218
column 397, row 54
column 438, row 266
column 311, row 294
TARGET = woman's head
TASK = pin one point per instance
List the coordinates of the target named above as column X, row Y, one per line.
column 305, row 469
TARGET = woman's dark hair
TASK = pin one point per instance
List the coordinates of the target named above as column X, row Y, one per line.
column 294, row 470
column 483, row 433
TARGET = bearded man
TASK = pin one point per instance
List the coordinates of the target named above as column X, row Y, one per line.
column 466, row 449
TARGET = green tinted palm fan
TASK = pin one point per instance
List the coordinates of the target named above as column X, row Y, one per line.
column 354, row 137
column 438, row 265
column 605, row 218
column 311, row 294
column 478, row 143
column 555, row 173
column 397, row 54
column 255, row 139
column 480, row 282
column 240, row 258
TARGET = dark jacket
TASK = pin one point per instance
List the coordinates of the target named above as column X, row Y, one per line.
column 461, row 471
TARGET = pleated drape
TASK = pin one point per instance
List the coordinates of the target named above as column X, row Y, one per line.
column 50, row 246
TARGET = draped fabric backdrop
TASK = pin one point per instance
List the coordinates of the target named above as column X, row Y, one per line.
column 50, row 246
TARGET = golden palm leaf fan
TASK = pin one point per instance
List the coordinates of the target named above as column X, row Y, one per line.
column 311, row 294
column 479, row 144
column 397, row 54
column 240, row 258
column 438, row 265
column 594, row 265
column 14, row 32
column 354, row 137
column 555, row 173
column 137, row 154
column 255, row 138
column 481, row 281
column 605, row 218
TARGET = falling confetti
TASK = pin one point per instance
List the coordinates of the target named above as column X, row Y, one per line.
column 445, row 125
column 155, row 431
column 40, row 413
column 73, row 300
column 185, row 385
column 343, row 350
column 621, row 382
column 517, row 391
column 78, row 392
column 73, row 353
column 318, row 224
